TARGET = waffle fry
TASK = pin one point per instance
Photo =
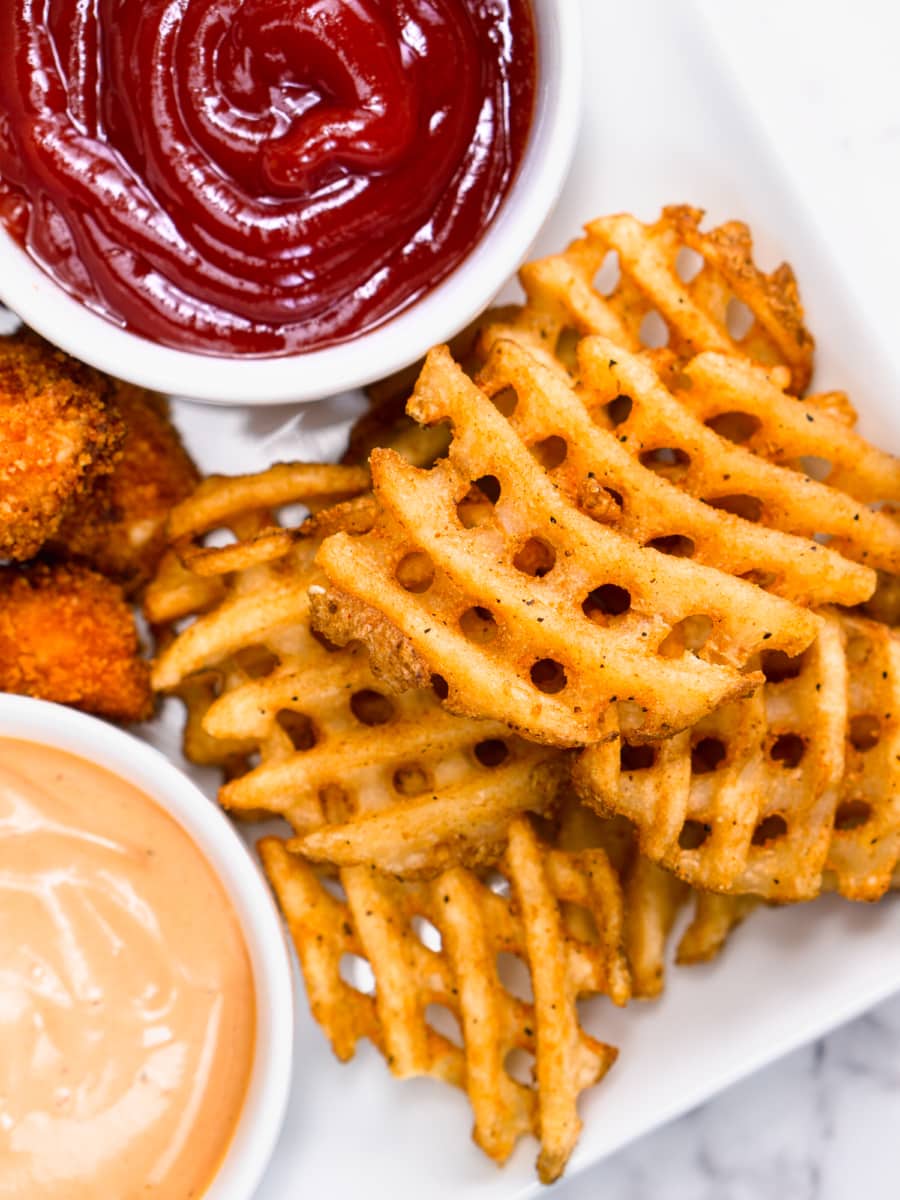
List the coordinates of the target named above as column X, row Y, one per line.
column 466, row 823
column 725, row 475
column 396, row 782
column 746, row 800
column 653, row 899
column 302, row 730
column 579, row 616
column 474, row 924
column 741, row 401
column 765, row 795
column 605, row 477
column 689, row 315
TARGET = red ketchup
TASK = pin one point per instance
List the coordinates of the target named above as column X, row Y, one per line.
column 258, row 176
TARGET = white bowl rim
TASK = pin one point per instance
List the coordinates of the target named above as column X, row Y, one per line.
column 45, row 306
column 265, row 1103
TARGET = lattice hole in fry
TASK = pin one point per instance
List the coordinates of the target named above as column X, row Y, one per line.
column 770, row 829
column 415, row 572
column 671, row 463
column 550, row 452
column 707, row 754
column 788, row 749
column 734, row 426
column 637, row 758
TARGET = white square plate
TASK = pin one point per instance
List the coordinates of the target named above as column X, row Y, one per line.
column 661, row 124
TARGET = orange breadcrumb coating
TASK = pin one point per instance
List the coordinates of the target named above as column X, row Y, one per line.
column 58, row 433
column 119, row 527
column 68, row 634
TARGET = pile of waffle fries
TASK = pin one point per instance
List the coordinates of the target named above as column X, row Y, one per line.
column 599, row 628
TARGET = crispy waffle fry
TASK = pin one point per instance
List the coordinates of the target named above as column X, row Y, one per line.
column 762, row 796
column 219, row 501
column 653, row 899
column 647, row 299
column 670, row 439
column 303, row 731
column 740, row 401
column 394, row 782
column 584, row 456
column 527, row 609
column 746, row 799
column 474, row 925
column 450, row 823
column 244, row 506
column 188, row 580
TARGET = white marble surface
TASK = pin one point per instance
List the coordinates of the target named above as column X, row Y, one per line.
column 824, row 79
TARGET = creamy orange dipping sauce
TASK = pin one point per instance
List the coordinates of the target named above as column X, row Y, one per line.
column 127, row 1011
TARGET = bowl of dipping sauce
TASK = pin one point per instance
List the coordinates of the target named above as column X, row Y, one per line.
column 146, row 1009
column 251, row 201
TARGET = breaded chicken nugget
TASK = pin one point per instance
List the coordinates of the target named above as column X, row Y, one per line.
column 119, row 526
column 68, row 634
column 58, row 433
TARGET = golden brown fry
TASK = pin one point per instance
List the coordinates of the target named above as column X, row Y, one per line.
column 475, row 925
column 245, row 507
column 528, row 610
column 692, row 309
column 884, row 603
column 462, row 823
column 728, row 476
column 594, row 449
column 746, row 799
column 59, row 433
column 763, row 796
column 741, row 403
column 118, row 527
column 220, row 500
column 68, row 635
column 653, row 898
column 363, row 778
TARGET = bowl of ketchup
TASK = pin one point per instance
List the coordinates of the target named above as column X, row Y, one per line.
column 253, row 201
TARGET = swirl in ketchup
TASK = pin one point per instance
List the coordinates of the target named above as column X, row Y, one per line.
column 258, row 176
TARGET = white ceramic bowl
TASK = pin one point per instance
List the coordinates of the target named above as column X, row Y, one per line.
column 43, row 305
column 125, row 756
